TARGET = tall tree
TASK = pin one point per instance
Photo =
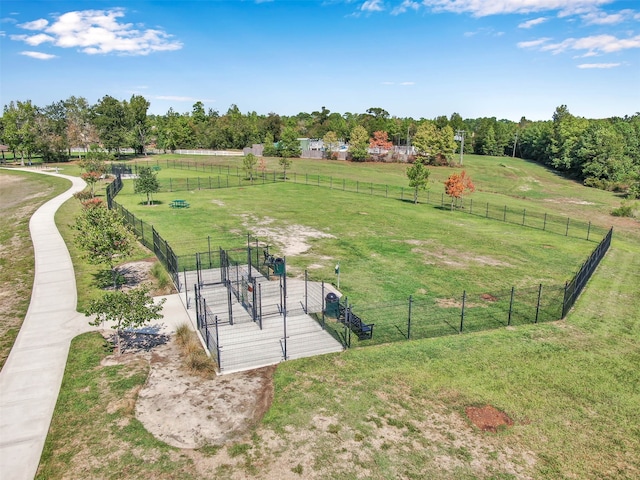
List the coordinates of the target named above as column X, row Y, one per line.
column 80, row 130
column 418, row 176
column 110, row 119
column 289, row 145
column 330, row 142
column 19, row 128
column 137, row 122
column 359, row 144
column 426, row 141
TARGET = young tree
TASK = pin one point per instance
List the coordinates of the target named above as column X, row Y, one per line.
column 359, row 144
column 456, row 185
column 146, row 183
column 131, row 309
column 103, row 237
column 330, row 141
column 418, row 176
column 285, row 163
column 91, row 178
column 249, row 164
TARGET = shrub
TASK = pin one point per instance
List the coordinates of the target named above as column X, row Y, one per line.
column 624, row 210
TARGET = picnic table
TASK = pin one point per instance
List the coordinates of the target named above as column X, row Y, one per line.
column 179, row 204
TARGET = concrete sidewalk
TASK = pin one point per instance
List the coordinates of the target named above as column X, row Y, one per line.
column 31, row 377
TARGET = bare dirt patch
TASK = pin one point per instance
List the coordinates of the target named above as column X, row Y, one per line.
column 139, row 273
column 572, row 201
column 189, row 411
column 488, row 418
column 292, row 239
column 434, row 254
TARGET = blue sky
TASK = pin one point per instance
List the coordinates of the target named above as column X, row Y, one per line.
column 418, row 58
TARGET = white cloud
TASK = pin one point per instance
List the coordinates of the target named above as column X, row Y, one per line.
column 596, row 44
column 8, row 20
column 33, row 40
column 533, row 43
column 98, row 32
column 35, row 25
column 38, row 55
column 372, row 6
column 533, row 22
column 482, row 8
column 404, row 6
column 599, row 17
column 407, row 83
column 599, row 65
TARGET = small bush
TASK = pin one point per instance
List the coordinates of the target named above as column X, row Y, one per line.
column 161, row 275
column 84, row 195
column 297, row 469
column 624, row 210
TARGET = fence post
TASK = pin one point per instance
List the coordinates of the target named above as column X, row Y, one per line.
column 544, row 225
column 409, row 318
column 487, row 214
column 504, row 216
column 564, row 300
column 306, row 293
column 209, row 246
column 538, row 302
column 402, row 193
column 217, row 343
column 186, row 289
column 566, row 233
column 323, row 305
column 471, row 207
column 260, row 303
column 357, row 186
column 198, row 309
column 511, row 306
column 588, row 231
column 524, row 214
column 464, row 298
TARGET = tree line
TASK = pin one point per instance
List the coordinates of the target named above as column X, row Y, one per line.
column 604, row 153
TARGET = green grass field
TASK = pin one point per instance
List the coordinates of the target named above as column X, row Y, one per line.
column 397, row 410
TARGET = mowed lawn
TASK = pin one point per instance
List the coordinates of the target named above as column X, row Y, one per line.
column 398, row 410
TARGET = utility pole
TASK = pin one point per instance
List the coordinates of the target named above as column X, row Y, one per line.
column 460, row 135
column 514, row 146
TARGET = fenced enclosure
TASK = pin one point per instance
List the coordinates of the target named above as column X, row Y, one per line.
column 233, row 288
column 264, row 322
column 226, row 176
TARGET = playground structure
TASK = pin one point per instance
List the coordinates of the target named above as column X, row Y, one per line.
column 251, row 315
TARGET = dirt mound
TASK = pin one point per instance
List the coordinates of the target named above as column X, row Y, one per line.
column 488, row 418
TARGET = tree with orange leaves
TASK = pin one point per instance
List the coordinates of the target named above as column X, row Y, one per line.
column 380, row 141
column 456, row 185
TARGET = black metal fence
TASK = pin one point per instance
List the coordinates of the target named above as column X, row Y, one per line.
column 404, row 320
column 228, row 176
column 574, row 287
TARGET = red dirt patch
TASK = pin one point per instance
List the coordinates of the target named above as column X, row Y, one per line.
column 488, row 418
column 488, row 297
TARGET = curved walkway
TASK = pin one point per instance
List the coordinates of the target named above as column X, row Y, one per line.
column 31, row 377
